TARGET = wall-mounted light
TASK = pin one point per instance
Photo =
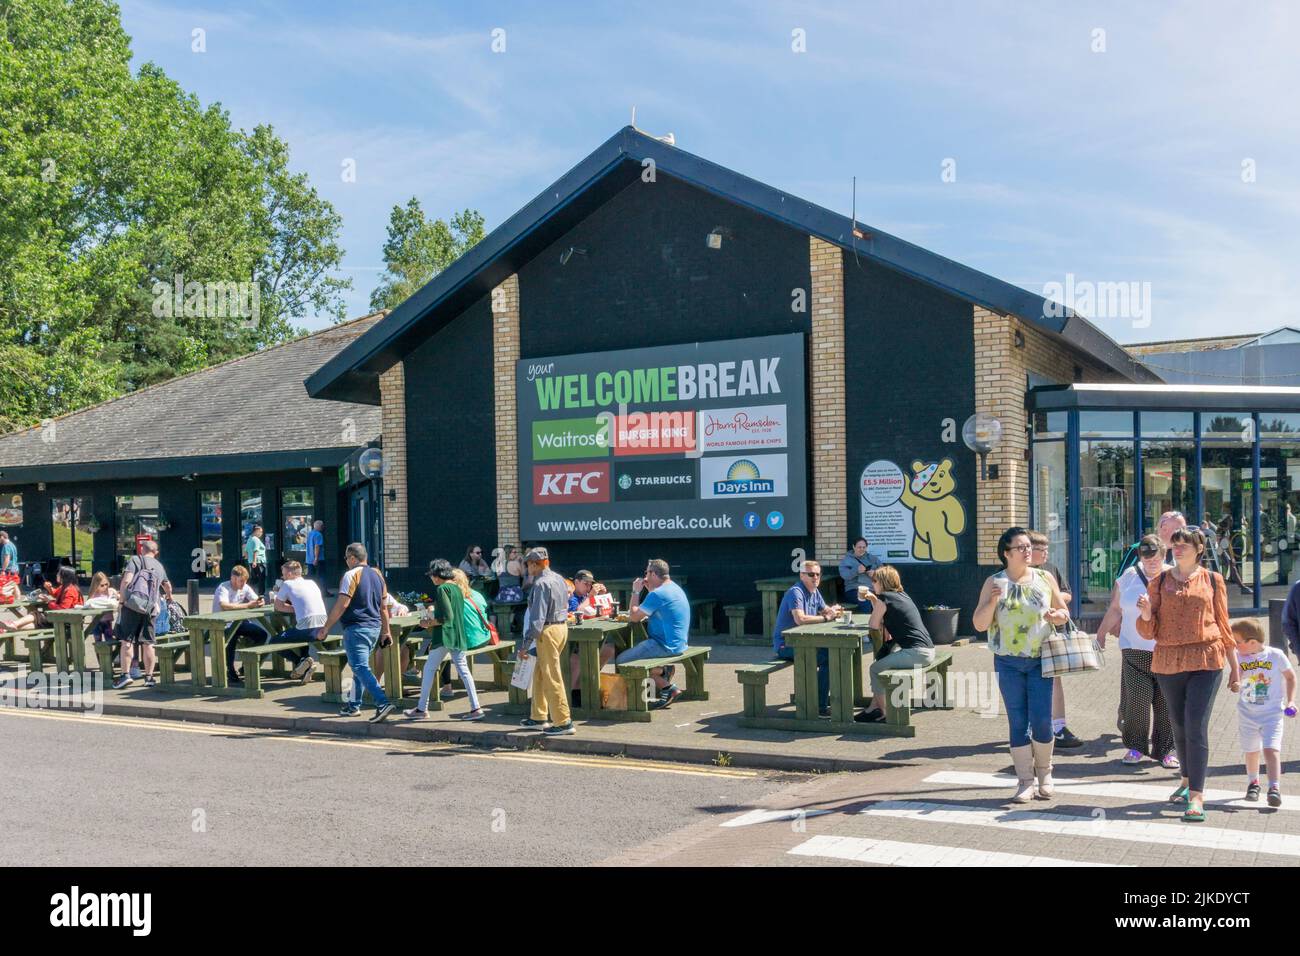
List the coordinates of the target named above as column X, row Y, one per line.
column 1020, row 339
column 714, row 239
column 569, row 253
column 40, row 486
column 316, row 470
column 391, row 494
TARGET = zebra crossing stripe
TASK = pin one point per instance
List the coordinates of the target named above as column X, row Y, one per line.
column 771, row 816
column 1147, row 793
column 895, row 853
column 1098, row 826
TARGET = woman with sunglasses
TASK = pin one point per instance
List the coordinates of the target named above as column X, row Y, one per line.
column 1018, row 607
column 1144, row 715
column 474, row 566
column 1185, row 612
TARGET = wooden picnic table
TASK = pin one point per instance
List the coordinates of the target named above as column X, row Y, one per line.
column 771, row 590
column 215, row 628
column 585, row 640
column 9, row 649
column 70, row 636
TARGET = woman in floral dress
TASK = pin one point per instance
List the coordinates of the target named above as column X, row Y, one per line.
column 1018, row 607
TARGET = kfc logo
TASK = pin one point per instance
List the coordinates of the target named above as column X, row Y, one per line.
column 570, row 484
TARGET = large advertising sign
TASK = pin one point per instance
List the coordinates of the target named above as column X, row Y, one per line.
column 688, row 441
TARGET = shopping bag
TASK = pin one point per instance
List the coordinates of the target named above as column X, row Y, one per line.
column 1068, row 650
column 523, row 675
column 613, row 692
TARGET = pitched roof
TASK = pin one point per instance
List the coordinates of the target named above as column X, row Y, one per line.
column 250, row 413
column 1210, row 344
column 353, row 374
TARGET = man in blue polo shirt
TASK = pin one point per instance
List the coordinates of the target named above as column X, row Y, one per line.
column 8, row 554
column 666, row 611
column 361, row 610
column 804, row 604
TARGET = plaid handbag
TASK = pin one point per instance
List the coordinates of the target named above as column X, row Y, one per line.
column 1068, row 650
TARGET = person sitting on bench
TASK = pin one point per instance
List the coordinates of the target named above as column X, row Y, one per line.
column 666, row 611
column 908, row 644
column 236, row 595
column 804, row 604
column 300, row 597
column 62, row 598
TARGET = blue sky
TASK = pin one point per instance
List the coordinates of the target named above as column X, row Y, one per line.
column 1159, row 151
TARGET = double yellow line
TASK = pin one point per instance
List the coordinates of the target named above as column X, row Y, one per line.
column 386, row 744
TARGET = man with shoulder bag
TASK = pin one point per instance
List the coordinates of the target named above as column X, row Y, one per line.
column 142, row 580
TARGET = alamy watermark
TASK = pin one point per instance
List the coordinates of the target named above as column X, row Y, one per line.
column 1099, row 300
column 208, row 300
column 80, row 691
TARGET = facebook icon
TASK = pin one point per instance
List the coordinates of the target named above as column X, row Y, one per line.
column 751, row 520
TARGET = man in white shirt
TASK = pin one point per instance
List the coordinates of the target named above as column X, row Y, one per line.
column 237, row 595
column 302, row 598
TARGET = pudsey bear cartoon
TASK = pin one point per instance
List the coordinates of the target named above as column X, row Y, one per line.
column 937, row 515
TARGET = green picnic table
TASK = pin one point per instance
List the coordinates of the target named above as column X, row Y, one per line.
column 215, row 628
column 771, row 590
column 9, row 639
column 844, row 649
column 70, row 636
column 585, row 640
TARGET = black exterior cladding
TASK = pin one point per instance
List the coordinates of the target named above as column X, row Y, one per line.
column 643, row 274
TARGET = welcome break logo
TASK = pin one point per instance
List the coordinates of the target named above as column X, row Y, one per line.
column 756, row 476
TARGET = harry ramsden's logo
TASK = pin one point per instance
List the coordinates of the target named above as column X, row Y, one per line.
column 738, row 424
column 75, row 909
column 743, row 479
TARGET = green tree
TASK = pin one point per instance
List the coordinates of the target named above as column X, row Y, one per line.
column 115, row 187
column 418, row 249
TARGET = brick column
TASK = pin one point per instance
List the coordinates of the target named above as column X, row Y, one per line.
column 392, row 389
column 1000, row 392
column 505, row 352
column 826, row 347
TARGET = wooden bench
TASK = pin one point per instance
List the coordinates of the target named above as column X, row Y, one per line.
column 499, row 654
column 9, row 642
column 753, row 678
column 637, row 673
column 36, row 642
column 169, row 653
column 702, row 611
column 736, row 618
column 250, row 658
column 900, row 695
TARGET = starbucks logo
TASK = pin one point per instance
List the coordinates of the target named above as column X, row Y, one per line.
column 625, row 481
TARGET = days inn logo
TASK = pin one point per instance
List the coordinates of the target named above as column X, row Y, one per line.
column 743, row 478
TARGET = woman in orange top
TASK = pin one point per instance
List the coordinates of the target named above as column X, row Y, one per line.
column 1185, row 611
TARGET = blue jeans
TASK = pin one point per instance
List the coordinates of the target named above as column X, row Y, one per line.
column 1027, row 695
column 359, row 642
column 823, row 673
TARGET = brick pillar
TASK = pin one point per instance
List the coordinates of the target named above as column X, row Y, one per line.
column 392, row 389
column 505, row 350
column 826, row 344
column 1000, row 369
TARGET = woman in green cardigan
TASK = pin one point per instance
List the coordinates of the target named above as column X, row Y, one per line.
column 453, row 616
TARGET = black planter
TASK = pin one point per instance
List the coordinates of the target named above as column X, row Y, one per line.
column 942, row 624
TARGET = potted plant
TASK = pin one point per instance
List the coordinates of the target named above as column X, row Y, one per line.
column 93, row 525
column 163, row 522
column 941, row 622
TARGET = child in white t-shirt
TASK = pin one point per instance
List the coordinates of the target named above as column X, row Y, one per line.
column 1268, row 686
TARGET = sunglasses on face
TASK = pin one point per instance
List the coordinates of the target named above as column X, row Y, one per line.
column 812, row 574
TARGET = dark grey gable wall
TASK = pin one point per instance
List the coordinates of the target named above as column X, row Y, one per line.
column 450, row 443
column 911, row 365
column 649, row 278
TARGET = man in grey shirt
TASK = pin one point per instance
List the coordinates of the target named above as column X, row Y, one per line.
column 855, row 569
column 548, row 614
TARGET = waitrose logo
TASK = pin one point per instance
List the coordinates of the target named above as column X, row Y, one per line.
column 570, row 438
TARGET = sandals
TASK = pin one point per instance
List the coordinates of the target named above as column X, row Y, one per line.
column 1181, row 795
column 1195, row 813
